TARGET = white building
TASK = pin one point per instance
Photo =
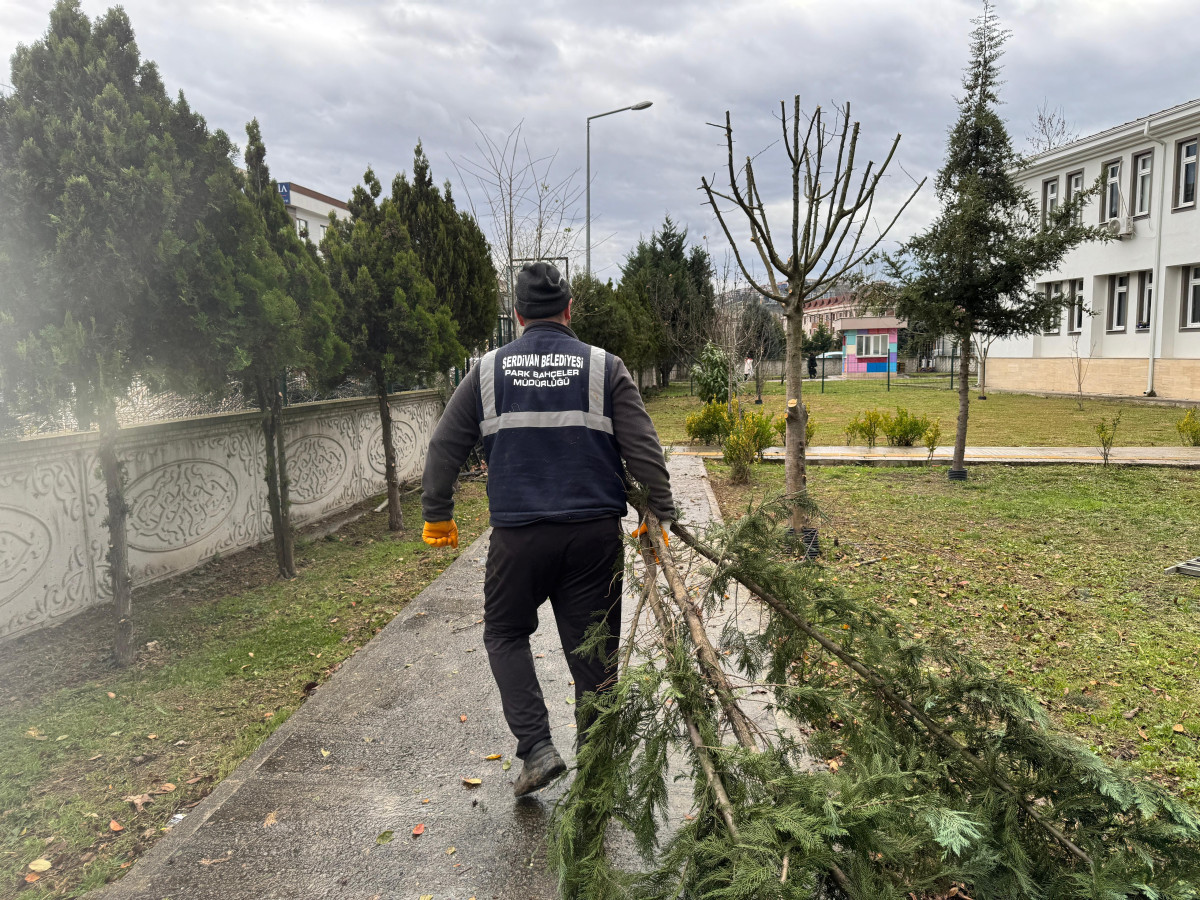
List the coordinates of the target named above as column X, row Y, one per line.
column 1131, row 322
column 310, row 209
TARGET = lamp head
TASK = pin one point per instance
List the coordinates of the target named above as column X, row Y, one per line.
column 643, row 105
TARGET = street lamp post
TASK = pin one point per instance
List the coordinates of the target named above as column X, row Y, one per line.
column 588, row 238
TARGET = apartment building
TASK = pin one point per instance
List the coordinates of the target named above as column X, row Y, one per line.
column 1130, row 319
column 310, row 209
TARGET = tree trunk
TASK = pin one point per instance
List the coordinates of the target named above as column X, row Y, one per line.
column 118, row 545
column 983, row 353
column 958, row 470
column 287, row 559
column 758, row 379
column 270, row 471
column 395, row 516
column 795, row 470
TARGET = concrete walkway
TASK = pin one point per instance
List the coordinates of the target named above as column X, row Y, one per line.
column 383, row 747
column 1179, row 457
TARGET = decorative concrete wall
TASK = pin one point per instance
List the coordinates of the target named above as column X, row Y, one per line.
column 195, row 488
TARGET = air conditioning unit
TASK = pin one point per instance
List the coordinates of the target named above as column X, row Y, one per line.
column 1120, row 227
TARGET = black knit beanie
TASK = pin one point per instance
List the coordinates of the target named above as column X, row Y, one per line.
column 542, row 291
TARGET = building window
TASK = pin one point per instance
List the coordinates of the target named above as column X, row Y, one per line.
column 877, row 344
column 1074, row 187
column 1185, row 191
column 1143, row 164
column 1049, row 198
column 1118, row 303
column 302, row 227
column 1075, row 319
column 324, row 228
column 1145, row 306
column 1111, row 208
column 1054, row 293
column 1191, row 302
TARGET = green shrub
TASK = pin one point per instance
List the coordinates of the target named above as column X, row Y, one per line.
column 760, row 429
column 810, row 427
column 712, row 374
column 1106, row 432
column 903, row 429
column 865, row 426
column 740, row 451
column 933, row 434
column 709, row 424
column 1189, row 429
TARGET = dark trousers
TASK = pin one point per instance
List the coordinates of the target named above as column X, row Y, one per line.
column 578, row 566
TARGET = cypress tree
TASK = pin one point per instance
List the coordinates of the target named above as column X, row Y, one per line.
column 397, row 328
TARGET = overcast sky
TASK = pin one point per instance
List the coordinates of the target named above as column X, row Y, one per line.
column 337, row 86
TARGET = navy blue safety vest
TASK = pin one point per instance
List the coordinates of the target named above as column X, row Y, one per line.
column 545, row 414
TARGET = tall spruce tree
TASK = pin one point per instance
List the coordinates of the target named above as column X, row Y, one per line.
column 101, row 177
column 973, row 269
column 673, row 283
column 452, row 250
column 397, row 327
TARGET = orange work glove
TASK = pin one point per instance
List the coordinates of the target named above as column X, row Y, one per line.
column 641, row 529
column 441, row 534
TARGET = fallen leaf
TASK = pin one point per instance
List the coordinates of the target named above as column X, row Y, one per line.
column 194, row 780
column 1130, row 713
column 153, row 737
column 1142, row 733
column 419, row 830
column 166, row 788
column 1178, row 729
column 114, row 825
column 251, row 655
column 507, row 765
column 139, row 800
column 61, row 737
column 462, row 718
column 36, row 735
column 324, row 752
column 571, row 701
column 426, row 800
column 112, row 696
column 40, row 865
column 472, row 782
column 493, row 756
column 450, row 851
column 271, row 819
column 31, row 877
column 427, row 897
column 213, row 862
column 96, row 757
column 385, row 837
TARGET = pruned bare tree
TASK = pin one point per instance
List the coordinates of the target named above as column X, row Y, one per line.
column 1050, row 129
column 832, row 234
column 528, row 210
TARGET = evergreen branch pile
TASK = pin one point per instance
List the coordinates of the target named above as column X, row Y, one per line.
column 941, row 777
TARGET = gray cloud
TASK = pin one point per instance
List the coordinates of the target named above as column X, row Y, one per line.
column 338, row 86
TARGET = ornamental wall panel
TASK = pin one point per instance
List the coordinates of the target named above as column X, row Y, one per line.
column 195, row 488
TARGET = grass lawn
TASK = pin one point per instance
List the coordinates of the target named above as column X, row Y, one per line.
column 1053, row 575
column 1003, row 420
column 237, row 651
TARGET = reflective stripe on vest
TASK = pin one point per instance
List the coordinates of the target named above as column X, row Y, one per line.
column 594, row 417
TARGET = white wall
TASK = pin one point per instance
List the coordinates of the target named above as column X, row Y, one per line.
column 195, row 488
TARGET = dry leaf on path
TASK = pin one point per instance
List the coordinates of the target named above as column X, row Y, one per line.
column 271, row 819
column 472, row 782
column 419, row 830
column 324, row 752
column 493, row 756
column 507, row 765
column 31, row 877
column 385, row 837
column 450, row 851
column 40, row 865
column 462, row 718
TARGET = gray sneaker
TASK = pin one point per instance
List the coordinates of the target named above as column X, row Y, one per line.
column 541, row 768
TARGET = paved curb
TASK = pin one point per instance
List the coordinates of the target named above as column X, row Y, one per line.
column 1179, row 458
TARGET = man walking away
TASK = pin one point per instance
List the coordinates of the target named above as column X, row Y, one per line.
column 557, row 417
